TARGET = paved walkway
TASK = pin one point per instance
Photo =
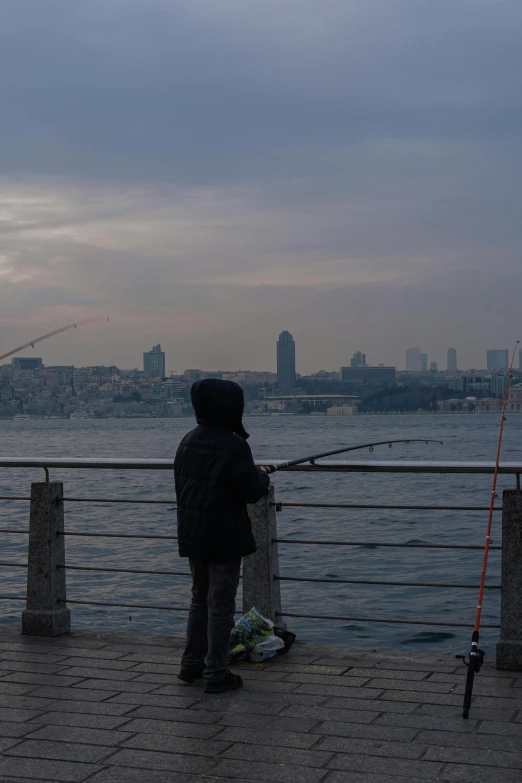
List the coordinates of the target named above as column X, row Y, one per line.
column 107, row 707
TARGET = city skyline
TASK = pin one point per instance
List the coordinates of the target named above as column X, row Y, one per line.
column 298, row 198
column 416, row 361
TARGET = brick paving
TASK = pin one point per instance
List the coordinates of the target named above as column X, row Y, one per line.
column 108, row 708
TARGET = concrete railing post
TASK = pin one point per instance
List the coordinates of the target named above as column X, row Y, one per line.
column 260, row 587
column 46, row 613
column 509, row 648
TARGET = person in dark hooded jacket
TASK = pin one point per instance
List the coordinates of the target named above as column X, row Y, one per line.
column 215, row 478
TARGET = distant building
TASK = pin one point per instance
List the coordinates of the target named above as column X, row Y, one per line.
column 286, row 362
column 451, row 363
column 469, row 382
column 520, row 358
column 191, row 376
column 358, row 359
column 499, row 383
column 413, row 360
column 382, row 375
column 154, row 363
column 423, row 362
column 342, row 410
column 434, row 367
column 498, row 359
column 515, row 398
column 26, row 363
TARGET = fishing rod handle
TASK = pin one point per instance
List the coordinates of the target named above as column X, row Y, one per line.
column 268, row 469
column 469, row 691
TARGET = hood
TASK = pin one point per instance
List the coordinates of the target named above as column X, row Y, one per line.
column 219, row 404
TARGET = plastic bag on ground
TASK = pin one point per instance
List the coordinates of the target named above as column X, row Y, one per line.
column 250, row 631
column 267, row 649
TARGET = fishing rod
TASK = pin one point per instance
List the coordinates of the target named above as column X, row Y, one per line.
column 32, row 343
column 312, row 458
column 476, row 656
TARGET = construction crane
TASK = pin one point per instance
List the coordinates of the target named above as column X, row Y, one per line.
column 32, row 343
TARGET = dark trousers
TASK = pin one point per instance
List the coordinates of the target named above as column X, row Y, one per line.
column 211, row 617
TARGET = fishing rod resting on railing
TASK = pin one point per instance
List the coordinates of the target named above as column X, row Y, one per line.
column 370, row 446
column 476, row 656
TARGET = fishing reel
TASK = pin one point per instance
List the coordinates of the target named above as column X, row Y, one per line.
column 476, row 659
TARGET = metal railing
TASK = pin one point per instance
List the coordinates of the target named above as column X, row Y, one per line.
column 263, row 591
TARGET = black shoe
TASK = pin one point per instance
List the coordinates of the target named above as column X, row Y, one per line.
column 231, row 682
column 188, row 675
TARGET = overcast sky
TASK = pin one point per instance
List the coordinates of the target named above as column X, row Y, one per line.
column 210, row 172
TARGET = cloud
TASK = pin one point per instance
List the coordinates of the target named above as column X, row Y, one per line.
column 210, row 172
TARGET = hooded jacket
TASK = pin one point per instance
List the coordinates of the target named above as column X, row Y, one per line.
column 215, row 477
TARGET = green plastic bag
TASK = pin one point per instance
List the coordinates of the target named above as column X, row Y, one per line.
column 249, row 631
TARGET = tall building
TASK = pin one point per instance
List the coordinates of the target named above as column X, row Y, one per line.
column 154, row 363
column 358, row 359
column 423, row 362
column 413, row 360
column 520, row 358
column 451, row 364
column 498, row 359
column 286, row 362
column 434, row 367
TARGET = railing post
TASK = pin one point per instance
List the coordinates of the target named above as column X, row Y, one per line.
column 46, row 613
column 260, row 586
column 509, row 648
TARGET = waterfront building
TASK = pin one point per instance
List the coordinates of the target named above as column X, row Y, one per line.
column 286, row 362
column 469, row 382
column 498, row 383
column 154, row 363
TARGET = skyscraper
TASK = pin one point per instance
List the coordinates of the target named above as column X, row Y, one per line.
column 286, row 362
column 423, row 362
column 154, row 363
column 498, row 359
column 413, row 360
column 451, row 363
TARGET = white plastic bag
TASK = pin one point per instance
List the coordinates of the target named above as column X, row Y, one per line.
column 266, row 649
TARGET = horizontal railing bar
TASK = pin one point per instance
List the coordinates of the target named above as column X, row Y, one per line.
column 126, row 606
column 13, row 598
column 118, row 500
column 14, row 565
column 350, row 466
column 379, row 620
column 380, row 543
column 122, row 570
column 119, row 535
column 8, row 530
column 374, row 582
column 372, row 506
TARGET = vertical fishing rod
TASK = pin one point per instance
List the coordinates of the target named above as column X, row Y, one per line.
column 476, row 656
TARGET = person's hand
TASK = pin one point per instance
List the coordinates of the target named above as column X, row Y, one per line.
column 263, row 468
